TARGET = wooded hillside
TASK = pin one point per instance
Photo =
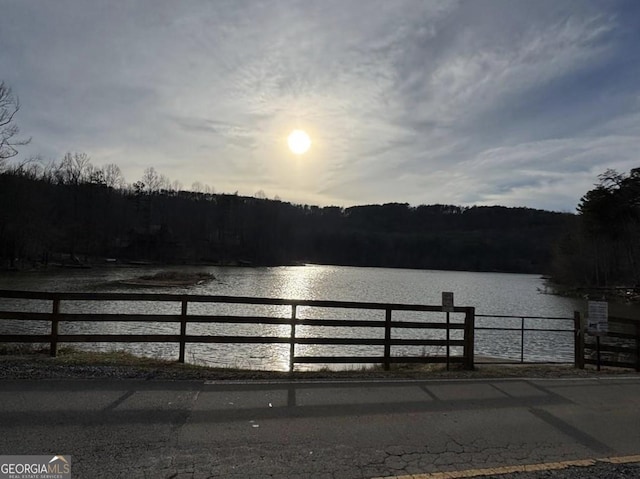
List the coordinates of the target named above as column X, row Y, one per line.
column 603, row 246
column 50, row 218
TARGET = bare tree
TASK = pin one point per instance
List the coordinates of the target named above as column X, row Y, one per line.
column 9, row 106
column 151, row 179
column 113, row 176
column 30, row 168
column 198, row 187
column 155, row 181
column 165, row 183
column 176, row 186
column 74, row 169
column 49, row 171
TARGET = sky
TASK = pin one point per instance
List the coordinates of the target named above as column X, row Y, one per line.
column 479, row 102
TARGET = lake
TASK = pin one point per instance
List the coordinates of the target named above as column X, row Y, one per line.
column 490, row 293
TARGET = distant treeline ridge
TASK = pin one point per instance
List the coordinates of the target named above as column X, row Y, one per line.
column 73, row 210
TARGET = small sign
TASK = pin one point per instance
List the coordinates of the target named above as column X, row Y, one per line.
column 598, row 317
column 447, row 302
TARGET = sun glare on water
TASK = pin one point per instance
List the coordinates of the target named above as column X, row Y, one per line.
column 299, row 142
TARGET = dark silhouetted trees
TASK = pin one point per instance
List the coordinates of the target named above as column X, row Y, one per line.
column 74, row 209
column 603, row 246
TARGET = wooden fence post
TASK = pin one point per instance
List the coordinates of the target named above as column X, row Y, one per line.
column 292, row 341
column 469, row 338
column 53, row 349
column 183, row 331
column 578, row 340
column 637, row 347
column 387, row 340
column 448, row 341
column 521, row 340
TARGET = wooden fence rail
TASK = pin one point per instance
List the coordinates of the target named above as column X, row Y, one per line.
column 389, row 325
column 618, row 347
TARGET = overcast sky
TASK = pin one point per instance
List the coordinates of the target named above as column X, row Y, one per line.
column 516, row 103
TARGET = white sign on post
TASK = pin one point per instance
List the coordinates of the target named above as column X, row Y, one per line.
column 598, row 317
column 447, row 302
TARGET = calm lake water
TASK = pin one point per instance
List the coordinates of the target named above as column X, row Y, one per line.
column 490, row 293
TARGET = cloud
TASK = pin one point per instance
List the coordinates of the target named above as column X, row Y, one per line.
column 489, row 102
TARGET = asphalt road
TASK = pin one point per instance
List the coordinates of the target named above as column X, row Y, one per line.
column 176, row 429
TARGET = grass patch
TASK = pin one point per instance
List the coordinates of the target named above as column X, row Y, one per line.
column 19, row 349
column 34, row 363
column 74, row 356
column 122, row 359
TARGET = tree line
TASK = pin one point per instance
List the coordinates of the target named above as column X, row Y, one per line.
column 602, row 246
column 72, row 209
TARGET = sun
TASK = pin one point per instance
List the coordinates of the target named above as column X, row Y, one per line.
column 299, row 142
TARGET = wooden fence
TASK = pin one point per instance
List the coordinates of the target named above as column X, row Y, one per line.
column 389, row 325
column 618, row 347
